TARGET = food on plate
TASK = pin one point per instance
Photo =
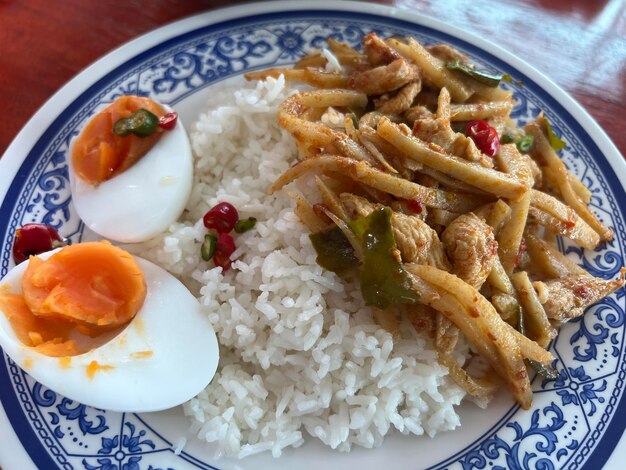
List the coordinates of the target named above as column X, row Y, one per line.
column 299, row 352
column 116, row 138
column 222, row 217
column 402, row 122
column 92, row 287
column 99, row 326
column 218, row 244
column 409, row 265
column 33, row 239
column 397, row 171
column 131, row 169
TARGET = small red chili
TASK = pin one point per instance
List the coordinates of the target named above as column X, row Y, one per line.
column 484, row 136
column 168, row 121
column 33, row 239
column 222, row 217
column 225, row 246
column 415, row 205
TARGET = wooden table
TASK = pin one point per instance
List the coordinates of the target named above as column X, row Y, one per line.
column 580, row 44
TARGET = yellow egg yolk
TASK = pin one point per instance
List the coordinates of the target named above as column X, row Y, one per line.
column 88, row 289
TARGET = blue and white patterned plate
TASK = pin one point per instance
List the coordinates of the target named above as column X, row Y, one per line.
column 575, row 422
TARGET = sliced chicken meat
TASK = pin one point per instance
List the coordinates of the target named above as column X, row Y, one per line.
column 471, row 245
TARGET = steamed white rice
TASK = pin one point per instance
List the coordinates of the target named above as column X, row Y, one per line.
column 300, row 353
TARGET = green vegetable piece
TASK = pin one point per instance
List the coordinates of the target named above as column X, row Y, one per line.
column 121, row 127
column 384, row 281
column 489, row 79
column 209, row 245
column 525, row 143
column 555, row 142
column 141, row 123
column 334, row 251
column 546, row 371
column 243, row 225
column 507, row 138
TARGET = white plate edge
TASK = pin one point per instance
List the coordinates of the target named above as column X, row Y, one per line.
column 18, row 457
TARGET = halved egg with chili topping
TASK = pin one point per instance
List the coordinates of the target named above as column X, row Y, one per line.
column 131, row 170
column 106, row 329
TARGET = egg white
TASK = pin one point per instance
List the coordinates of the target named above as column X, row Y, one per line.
column 165, row 356
column 143, row 200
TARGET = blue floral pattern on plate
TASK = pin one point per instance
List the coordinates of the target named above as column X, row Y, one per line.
column 570, row 415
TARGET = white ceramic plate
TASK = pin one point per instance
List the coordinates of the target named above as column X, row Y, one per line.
column 575, row 422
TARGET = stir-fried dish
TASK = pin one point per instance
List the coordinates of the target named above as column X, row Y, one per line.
column 445, row 211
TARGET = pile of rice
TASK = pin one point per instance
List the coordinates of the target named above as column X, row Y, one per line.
column 299, row 350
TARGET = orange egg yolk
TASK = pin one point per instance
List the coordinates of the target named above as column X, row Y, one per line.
column 85, row 289
column 98, row 154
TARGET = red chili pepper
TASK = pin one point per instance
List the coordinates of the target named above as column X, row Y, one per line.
column 168, row 121
column 225, row 246
column 415, row 205
column 222, row 217
column 484, row 136
column 33, row 239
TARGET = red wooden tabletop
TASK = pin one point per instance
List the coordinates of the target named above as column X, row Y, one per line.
column 580, row 44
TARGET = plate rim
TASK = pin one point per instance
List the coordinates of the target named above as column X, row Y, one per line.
column 34, row 130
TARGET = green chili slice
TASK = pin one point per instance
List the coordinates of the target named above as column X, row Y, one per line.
column 525, row 143
column 120, row 127
column 141, row 123
column 209, row 245
column 243, row 225
column 507, row 138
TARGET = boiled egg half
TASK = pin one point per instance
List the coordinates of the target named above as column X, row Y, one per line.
column 165, row 355
column 147, row 195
